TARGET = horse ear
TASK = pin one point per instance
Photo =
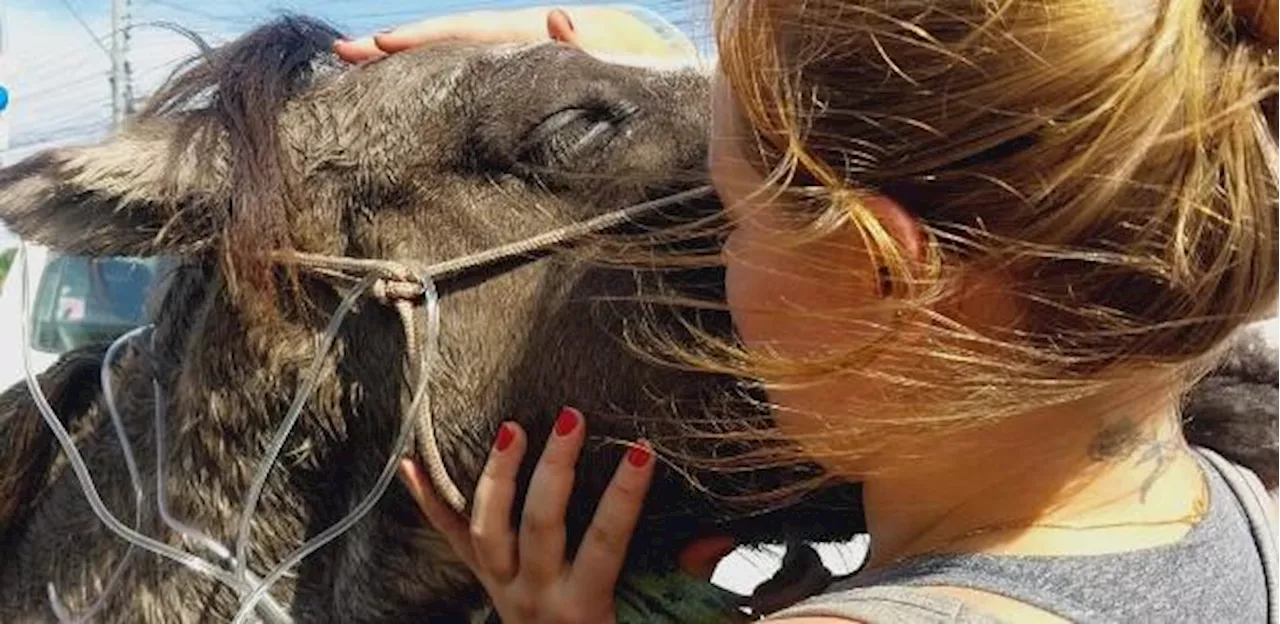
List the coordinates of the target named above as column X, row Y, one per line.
column 148, row 191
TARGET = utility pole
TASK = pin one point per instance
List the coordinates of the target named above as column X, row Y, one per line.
column 121, row 78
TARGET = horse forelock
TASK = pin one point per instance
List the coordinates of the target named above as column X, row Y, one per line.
column 230, row 101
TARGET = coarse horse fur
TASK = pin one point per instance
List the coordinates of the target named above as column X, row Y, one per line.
column 1236, row 408
column 270, row 144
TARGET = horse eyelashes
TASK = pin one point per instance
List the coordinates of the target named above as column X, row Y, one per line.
column 570, row 132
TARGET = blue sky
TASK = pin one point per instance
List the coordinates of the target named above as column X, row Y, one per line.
column 57, row 72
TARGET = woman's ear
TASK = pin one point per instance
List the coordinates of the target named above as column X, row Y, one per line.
column 905, row 229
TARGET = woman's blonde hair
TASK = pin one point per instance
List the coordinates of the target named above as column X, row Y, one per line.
column 1114, row 161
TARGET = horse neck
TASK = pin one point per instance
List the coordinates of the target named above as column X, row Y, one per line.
column 231, row 376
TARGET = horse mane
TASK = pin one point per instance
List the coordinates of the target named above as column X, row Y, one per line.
column 229, row 102
column 71, row 385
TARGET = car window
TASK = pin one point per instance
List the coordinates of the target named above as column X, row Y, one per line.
column 83, row 300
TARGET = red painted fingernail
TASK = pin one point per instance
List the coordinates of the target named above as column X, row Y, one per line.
column 506, row 435
column 567, row 421
column 639, row 455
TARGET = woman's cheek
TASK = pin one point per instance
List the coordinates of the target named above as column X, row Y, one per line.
column 741, row 290
column 813, row 300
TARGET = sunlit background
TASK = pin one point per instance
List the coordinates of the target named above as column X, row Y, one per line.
column 58, row 61
column 57, row 67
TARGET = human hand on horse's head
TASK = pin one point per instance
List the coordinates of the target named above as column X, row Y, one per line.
column 526, row 574
column 524, row 25
column 594, row 29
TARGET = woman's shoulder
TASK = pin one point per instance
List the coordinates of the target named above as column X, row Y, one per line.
column 977, row 588
column 891, row 603
column 819, row 620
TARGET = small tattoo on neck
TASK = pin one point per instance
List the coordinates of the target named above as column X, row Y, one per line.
column 1123, row 439
column 1161, row 453
column 1116, row 439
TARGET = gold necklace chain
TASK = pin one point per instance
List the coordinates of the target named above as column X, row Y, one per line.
column 1200, row 508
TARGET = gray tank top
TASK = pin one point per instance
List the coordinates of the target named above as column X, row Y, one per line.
column 1224, row 570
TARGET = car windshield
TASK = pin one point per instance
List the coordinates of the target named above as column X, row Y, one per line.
column 82, row 300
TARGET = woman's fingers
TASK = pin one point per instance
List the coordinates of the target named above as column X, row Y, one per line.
column 492, row 537
column 358, row 51
column 521, row 26
column 604, row 546
column 527, row 25
column 526, row 575
column 454, row 527
column 542, row 532
column 560, row 28
column 483, row 27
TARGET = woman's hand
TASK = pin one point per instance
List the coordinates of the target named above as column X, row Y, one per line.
column 525, row 574
column 519, row 26
column 608, row 31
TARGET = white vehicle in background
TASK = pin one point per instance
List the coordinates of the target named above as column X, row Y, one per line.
column 73, row 301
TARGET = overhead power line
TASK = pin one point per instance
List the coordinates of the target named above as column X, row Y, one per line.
column 75, row 14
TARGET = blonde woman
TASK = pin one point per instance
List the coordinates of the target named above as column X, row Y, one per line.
column 980, row 249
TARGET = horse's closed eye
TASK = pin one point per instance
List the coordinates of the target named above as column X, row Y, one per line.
column 572, row 132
